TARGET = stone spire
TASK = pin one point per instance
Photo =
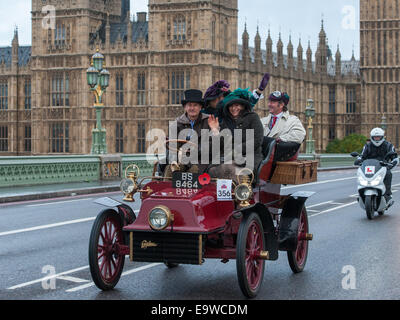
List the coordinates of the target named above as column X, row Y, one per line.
column 309, row 58
column 322, row 53
column 290, row 53
column 269, row 50
column 15, row 48
column 245, row 45
column 338, row 62
column 279, row 47
column 299, row 57
column 257, row 43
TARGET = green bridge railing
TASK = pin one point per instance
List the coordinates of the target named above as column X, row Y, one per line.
column 34, row 170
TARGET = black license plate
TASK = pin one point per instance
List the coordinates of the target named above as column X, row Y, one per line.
column 185, row 180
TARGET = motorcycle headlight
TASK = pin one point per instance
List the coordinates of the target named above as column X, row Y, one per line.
column 127, row 186
column 376, row 181
column 362, row 181
column 243, row 192
column 160, row 218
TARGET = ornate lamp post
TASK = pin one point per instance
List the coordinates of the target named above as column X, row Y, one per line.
column 98, row 79
column 310, row 114
column 384, row 123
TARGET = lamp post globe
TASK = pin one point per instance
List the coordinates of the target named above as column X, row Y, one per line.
column 92, row 76
column 104, row 78
column 98, row 60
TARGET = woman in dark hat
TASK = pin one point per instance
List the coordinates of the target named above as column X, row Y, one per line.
column 238, row 115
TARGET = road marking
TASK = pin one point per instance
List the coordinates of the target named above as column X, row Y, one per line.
column 50, row 203
column 47, row 278
column 72, row 279
column 338, row 203
column 53, row 225
column 325, row 181
column 319, row 204
column 88, row 285
column 333, row 209
column 47, row 226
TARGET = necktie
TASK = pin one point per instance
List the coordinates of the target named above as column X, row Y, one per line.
column 273, row 122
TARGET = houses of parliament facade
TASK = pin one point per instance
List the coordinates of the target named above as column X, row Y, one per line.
column 46, row 106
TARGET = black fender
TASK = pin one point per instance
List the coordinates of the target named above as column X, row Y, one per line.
column 271, row 239
column 127, row 214
column 290, row 217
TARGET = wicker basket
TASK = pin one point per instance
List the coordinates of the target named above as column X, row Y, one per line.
column 295, row 172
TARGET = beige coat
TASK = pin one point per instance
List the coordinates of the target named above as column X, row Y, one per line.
column 288, row 128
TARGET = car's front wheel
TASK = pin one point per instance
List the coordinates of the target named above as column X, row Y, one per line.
column 250, row 243
column 105, row 259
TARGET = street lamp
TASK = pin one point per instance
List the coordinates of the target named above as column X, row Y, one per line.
column 383, row 123
column 98, row 80
column 310, row 114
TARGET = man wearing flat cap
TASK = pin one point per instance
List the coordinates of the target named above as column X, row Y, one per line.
column 280, row 125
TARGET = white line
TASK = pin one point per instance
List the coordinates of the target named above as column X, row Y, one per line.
column 320, row 182
column 339, row 203
column 50, row 203
column 84, row 286
column 333, row 209
column 319, row 204
column 47, row 226
column 72, row 279
column 326, row 181
column 47, row 278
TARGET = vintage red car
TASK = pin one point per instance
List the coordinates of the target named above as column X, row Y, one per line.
column 183, row 221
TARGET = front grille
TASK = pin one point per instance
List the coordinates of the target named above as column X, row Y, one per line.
column 167, row 247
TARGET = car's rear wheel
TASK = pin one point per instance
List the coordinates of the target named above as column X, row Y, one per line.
column 298, row 258
column 250, row 243
column 105, row 260
column 170, row 265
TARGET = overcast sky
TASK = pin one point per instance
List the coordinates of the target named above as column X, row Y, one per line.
column 298, row 18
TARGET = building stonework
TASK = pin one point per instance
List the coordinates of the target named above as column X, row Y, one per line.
column 380, row 65
column 46, row 106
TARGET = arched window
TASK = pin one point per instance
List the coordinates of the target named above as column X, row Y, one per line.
column 180, row 28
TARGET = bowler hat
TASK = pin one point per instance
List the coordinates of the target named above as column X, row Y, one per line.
column 193, row 95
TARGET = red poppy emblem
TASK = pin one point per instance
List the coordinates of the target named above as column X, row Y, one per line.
column 204, row 179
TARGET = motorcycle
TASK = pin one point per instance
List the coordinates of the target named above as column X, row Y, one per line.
column 371, row 187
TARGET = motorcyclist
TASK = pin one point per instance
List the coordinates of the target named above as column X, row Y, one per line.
column 377, row 148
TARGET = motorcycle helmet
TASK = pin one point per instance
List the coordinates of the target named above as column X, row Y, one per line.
column 377, row 136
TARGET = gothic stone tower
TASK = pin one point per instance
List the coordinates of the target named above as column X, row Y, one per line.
column 380, row 65
column 196, row 41
column 60, row 56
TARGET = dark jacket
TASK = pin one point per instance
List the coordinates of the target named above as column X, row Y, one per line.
column 183, row 123
column 247, row 120
column 370, row 151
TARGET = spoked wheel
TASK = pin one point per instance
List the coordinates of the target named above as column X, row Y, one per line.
column 369, row 207
column 249, row 266
column 297, row 259
column 105, row 260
